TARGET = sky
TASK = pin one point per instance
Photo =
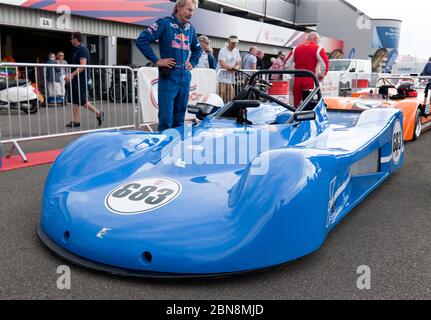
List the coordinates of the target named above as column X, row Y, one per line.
column 415, row 14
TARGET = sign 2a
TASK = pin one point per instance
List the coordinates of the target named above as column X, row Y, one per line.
column 46, row 23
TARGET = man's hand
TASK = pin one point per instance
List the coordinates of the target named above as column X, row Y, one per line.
column 189, row 66
column 68, row 78
column 320, row 77
column 170, row 63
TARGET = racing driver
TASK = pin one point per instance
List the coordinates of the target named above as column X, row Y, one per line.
column 177, row 42
column 308, row 56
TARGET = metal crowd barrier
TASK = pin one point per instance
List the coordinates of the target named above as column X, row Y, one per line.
column 346, row 84
column 334, row 84
column 35, row 101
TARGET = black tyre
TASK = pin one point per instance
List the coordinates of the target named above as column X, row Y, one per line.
column 118, row 93
column 34, row 107
column 93, row 94
column 30, row 109
column 418, row 125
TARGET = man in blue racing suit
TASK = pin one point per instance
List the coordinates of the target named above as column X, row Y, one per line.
column 177, row 39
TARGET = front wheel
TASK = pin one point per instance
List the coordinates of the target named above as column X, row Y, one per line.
column 418, row 126
column 118, row 93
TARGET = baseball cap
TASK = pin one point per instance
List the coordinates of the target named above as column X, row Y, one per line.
column 204, row 39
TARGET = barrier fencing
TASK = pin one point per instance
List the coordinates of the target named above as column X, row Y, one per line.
column 334, row 84
column 36, row 100
column 346, row 84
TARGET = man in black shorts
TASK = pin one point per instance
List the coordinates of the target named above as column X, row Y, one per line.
column 79, row 79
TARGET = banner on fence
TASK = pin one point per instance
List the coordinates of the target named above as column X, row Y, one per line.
column 339, row 84
column 331, row 85
column 204, row 82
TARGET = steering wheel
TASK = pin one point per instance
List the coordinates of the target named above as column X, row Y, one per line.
column 386, row 83
column 258, row 82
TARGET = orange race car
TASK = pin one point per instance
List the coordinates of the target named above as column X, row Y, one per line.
column 390, row 92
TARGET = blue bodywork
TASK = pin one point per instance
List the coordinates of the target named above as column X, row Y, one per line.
column 226, row 218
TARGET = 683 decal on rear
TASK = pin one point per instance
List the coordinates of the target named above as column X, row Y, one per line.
column 397, row 143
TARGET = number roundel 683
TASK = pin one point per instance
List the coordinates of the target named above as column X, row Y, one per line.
column 141, row 196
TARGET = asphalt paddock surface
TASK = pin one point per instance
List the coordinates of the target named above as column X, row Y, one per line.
column 390, row 232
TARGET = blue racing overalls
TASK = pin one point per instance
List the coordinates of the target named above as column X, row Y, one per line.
column 177, row 41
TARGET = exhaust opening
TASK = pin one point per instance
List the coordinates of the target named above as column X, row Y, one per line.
column 66, row 236
column 146, row 258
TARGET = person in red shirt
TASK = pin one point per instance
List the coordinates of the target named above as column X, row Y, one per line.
column 308, row 56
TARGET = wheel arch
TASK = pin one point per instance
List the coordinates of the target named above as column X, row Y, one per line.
column 409, row 110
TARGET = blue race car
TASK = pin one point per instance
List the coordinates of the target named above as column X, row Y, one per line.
column 256, row 184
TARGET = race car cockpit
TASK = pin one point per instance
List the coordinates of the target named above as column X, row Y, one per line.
column 255, row 95
column 405, row 90
column 390, row 91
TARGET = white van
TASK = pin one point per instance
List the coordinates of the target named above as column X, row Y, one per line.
column 411, row 68
column 350, row 65
column 349, row 75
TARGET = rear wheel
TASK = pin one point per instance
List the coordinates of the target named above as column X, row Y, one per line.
column 93, row 94
column 418, row 125
column 29, row 108
column 34, row 107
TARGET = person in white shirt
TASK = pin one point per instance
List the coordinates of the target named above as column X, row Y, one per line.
column 60, row 60
column 207, row 60
column 229, row 59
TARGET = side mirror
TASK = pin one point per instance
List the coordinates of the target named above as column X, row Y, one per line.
column 237, row 107
column 305, row 116
column 352, row 70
